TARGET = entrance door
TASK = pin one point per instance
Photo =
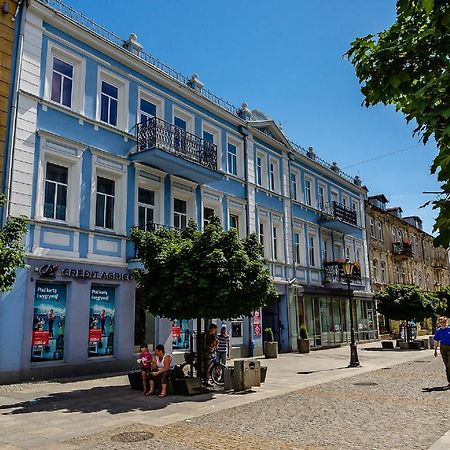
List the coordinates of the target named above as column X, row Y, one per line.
column 324, row 322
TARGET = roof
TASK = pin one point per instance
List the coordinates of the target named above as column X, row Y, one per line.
column 381, row 197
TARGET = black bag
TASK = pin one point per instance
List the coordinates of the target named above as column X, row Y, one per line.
column 135, row 379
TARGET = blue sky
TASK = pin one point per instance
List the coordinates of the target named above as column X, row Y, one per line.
column 285, row 58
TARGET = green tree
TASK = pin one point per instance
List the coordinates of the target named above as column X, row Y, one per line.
column 12, row 252
column 405, row 302
column 210, row 274
column 407, row 66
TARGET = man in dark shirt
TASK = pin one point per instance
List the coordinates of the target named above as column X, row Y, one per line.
column 442, row 338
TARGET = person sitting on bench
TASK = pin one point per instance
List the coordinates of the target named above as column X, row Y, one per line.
column 163, row 365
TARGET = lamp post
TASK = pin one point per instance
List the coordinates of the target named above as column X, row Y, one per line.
column 347, row 268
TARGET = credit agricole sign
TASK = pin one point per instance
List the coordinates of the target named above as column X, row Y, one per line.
column 52, row 271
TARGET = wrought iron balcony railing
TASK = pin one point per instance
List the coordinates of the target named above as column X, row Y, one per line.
column 157, row 133
column 334, row 273
column 335, row 210
column 402, row 249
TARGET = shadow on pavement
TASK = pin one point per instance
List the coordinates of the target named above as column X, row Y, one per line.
column 307, row 372
column 436, row 389
column 113, row 399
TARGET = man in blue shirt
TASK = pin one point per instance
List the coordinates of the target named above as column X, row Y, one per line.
column 442, row 338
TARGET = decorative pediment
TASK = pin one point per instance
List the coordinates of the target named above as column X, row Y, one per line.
column 267, row 126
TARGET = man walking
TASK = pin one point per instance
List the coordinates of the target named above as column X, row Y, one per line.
column 442, row 338
column 223, row 347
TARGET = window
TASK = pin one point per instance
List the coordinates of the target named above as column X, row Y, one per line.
column 383, row 271
column 380, row 231
column 334, row 197
column 308, row 198
column 108, row 103
column 62, row 79
column 234, row 222
column 272, row 176
column 261, row 233
column 397, row 274
column 297, row 256
column 394, row 234
column 146, row 204
column 403, row 276
column 208, row 213
column 259, row 170
column 347, row 252
column 372, row 228
column 232, row 159
column 325, row 250
column 375, row 270
column 147, row 110
column 180, row 123
column 55, row 197
column 208, row 137
column 355, row 208
column 275, row 242
column 344, row 201
column 104, row 213
column 312, row 259
column 321, row 199
column 179, row 213
column 294, row 186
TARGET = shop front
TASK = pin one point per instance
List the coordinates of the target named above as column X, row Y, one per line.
column 65, row 318
column 327, row 318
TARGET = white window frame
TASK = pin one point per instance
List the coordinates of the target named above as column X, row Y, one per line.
column 237, row 209
column 188, row 117
column 383, row 271
column 345, row 201
column 312, row 254
column 372, row 228
column 78, row 79
column 115, row 169
column 263, row 220
column 277, row 238
column 325, row 196
column 215, row 133
column 298, row 182
column 56, row 184
column 239, row 156
column 122, row 98
column 375, row 270
column 334, row 196
column 275, row 186
column 188, row 195
column 63, row 153
column 152, row 98
column 355, row 208
column 264, row 173
column 212, row 201
column 312, row 195
column 147, row 180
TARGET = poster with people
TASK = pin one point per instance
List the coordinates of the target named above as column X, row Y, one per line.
column 101, row 320
column 180, row 334
column 48, row 322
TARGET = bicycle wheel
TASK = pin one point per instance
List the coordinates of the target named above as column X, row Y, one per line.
column 217, row 374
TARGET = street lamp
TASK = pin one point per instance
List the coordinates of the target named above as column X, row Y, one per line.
column 347, row 268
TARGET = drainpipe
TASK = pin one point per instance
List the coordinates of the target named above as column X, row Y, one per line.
column 14, row 107
column 244, row 132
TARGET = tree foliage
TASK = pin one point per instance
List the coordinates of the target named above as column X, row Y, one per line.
column 12, row 252
column 209, row 274
column 405, row 302
column 443, row 301
column 407, row 66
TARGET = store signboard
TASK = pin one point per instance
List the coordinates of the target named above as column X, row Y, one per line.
column 48, row 322
column 101, row 320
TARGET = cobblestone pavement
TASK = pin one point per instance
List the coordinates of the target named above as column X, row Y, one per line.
column 402, row 407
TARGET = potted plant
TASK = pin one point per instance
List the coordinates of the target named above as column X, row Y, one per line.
column 303, row 342
column 270, row 345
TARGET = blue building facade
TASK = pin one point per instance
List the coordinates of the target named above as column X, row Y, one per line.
column 107, row 138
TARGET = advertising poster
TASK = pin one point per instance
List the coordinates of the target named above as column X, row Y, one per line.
column 257, row 323
column 101, row 320
column 48, row 322
column 180, row 334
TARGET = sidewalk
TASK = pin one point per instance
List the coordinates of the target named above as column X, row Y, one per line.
column 48, row 415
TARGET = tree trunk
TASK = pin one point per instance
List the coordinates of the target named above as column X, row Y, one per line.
column 199, row 349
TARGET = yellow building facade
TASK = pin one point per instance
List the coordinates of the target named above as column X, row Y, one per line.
column 7, row 26
column 400, row 252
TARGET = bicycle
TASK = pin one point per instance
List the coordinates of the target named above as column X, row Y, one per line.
column 217, row 371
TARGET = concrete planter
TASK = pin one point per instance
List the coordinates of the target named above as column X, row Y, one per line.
column 271, row 349
column 303, row 345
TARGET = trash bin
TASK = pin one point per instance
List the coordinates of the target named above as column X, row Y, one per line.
column 228, row 379
column 247, row 374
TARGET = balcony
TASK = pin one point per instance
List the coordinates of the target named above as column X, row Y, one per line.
column 402, row 250
column 175, row 151
column 334, row 276
column 339, row 217
column 440, row 264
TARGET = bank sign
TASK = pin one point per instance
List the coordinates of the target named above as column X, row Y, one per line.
column 52, row 270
